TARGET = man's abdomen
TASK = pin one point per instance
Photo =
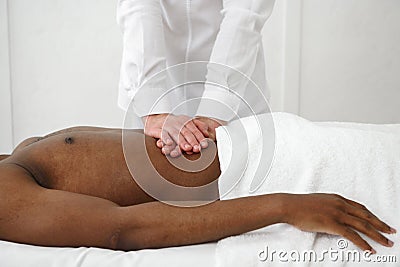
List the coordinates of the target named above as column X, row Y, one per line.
column 93, row 163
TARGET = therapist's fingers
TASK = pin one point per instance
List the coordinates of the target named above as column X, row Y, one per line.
column 190, row 138
column 202, row 126
column 179, row 139
column 176, row 152
column 153, row 132
column 212, row 125
column 167, row 149
column 201, row 141
column 172, row 125
column 166, row 138
column 159, row 143
column 188, row 130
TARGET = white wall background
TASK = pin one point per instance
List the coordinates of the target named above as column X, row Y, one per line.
column 326, row 60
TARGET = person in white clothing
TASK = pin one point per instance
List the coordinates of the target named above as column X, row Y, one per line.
column 158, row 34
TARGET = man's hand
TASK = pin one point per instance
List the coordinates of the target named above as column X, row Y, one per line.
column 176, row 133
column 334, row 214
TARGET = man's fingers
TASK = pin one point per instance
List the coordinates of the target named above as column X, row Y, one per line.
column 366, row 228
column 354, row 237
column 360, row 211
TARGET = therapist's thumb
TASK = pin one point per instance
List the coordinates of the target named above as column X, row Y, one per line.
column 153, row 132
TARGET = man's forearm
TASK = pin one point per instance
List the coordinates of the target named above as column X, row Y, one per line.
column 156, row 225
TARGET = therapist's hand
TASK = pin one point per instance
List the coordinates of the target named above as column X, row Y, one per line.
column 212, row 124
column 176, row 133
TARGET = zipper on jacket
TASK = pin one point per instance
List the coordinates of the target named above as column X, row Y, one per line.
column 189, row 41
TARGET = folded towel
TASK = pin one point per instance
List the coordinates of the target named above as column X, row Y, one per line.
column 360, row 162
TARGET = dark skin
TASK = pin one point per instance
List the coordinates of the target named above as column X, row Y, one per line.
column 73, row 188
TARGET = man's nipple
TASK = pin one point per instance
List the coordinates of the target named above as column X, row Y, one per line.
column 69, row 140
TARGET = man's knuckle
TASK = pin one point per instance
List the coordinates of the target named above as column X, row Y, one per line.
column 348, row 233
column 339, row 204
column 366, row 225
column 368, row 215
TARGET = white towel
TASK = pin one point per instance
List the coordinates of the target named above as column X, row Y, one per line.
column 360, row 162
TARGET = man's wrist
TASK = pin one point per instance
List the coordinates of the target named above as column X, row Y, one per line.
column 283, row 206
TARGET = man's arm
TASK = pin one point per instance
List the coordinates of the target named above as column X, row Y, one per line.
column 157, row 225
column 34, row 215
column 3, row 157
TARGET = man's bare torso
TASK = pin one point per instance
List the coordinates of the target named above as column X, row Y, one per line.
column 91, row 161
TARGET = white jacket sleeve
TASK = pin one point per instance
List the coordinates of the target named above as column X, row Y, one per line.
column 143, row 55
column 237, row 46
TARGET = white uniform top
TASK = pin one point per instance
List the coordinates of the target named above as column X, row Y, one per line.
column 161, row 33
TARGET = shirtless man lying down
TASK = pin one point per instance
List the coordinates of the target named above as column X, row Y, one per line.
column 73, row 188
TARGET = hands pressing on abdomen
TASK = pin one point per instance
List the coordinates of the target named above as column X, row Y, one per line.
column 177, row 134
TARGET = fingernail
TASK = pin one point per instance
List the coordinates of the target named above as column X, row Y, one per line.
column 187, row 146
column 393, row 231
column 204, row 144
column 390, row 243
column 373, row 251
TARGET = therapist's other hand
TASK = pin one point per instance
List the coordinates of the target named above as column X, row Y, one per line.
column 176, row 133
column 211, row 123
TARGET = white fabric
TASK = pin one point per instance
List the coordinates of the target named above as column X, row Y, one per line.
column 17, row 255
column 162, row 33
column 360, row 162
